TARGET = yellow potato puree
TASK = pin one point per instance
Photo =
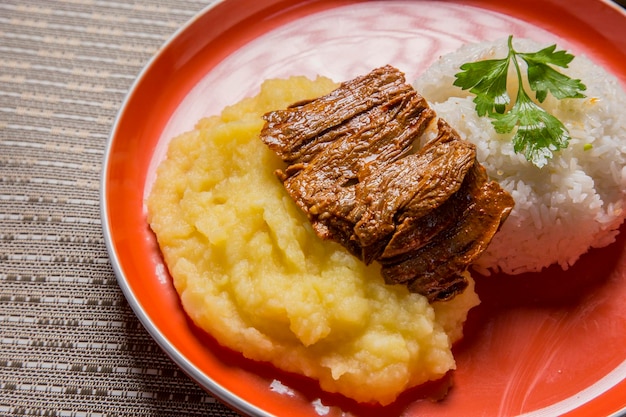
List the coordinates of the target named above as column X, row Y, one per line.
column 251, row 272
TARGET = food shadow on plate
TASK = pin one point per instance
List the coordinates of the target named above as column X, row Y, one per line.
column 301, row 390
column 553, row 288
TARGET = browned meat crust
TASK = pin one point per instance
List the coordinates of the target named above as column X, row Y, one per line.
column 425, row 214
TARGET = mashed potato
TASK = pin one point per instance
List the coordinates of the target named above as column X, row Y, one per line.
column 252, row 273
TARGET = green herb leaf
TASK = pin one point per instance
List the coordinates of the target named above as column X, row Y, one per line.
column 544, row 79
column 539, row 134
column 486, row 79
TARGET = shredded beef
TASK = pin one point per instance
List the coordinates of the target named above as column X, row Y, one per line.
column 352, row 166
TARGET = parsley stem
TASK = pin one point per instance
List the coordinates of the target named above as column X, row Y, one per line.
column 520, row 79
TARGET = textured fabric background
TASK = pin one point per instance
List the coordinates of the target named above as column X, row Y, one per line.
column 69, row 343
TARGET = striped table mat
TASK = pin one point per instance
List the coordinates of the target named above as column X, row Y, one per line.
column 69, row 343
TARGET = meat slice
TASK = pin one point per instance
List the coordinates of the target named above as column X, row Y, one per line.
column 411, row 187
column 322, row 180
column 297, row 133
column 352, row 166
column 434, row 268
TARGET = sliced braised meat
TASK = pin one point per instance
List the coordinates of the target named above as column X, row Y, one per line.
column 296, row 133
column 425, row 214
column 414, row 233
column 431, row 268
column 323, row 183
column 411, row 187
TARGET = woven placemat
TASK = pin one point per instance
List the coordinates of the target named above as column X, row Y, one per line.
column 69, row 343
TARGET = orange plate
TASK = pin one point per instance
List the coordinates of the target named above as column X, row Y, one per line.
column 540, row 345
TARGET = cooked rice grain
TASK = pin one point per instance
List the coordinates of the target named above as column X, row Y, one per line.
column 576, row 201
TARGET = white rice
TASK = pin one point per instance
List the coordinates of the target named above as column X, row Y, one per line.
column 575, row 202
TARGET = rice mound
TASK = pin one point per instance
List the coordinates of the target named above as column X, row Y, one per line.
column 250, row 270
column 576, row 201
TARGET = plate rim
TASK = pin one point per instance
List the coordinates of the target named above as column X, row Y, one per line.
column 225, row 395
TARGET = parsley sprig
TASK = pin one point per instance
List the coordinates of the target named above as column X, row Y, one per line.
column 539, row 134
